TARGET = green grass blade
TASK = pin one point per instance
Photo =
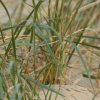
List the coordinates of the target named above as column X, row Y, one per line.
column 42, row 85
column 13, row 38
column 81, row 59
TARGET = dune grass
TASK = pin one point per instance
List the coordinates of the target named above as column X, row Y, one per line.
column 54, row 28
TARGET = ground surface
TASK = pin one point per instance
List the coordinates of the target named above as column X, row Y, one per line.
column 71, row 92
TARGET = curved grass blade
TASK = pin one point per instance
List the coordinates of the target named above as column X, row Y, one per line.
column 91, row 37
column 13, row 38
column 19, row 28
column 15, row 93
column 47, row 45
column 89, row 45
column 5, row 87
column 1, row 89
column 55, row 32
column 42, row 85
column 81, row 59
column 81, row 34
column 74, row 15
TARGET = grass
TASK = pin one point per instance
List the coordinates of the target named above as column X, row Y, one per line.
column 40, row 45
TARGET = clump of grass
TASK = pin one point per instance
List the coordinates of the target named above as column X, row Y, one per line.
column 41, row 45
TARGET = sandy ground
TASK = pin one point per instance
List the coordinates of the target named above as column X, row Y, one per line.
column 70, row 92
